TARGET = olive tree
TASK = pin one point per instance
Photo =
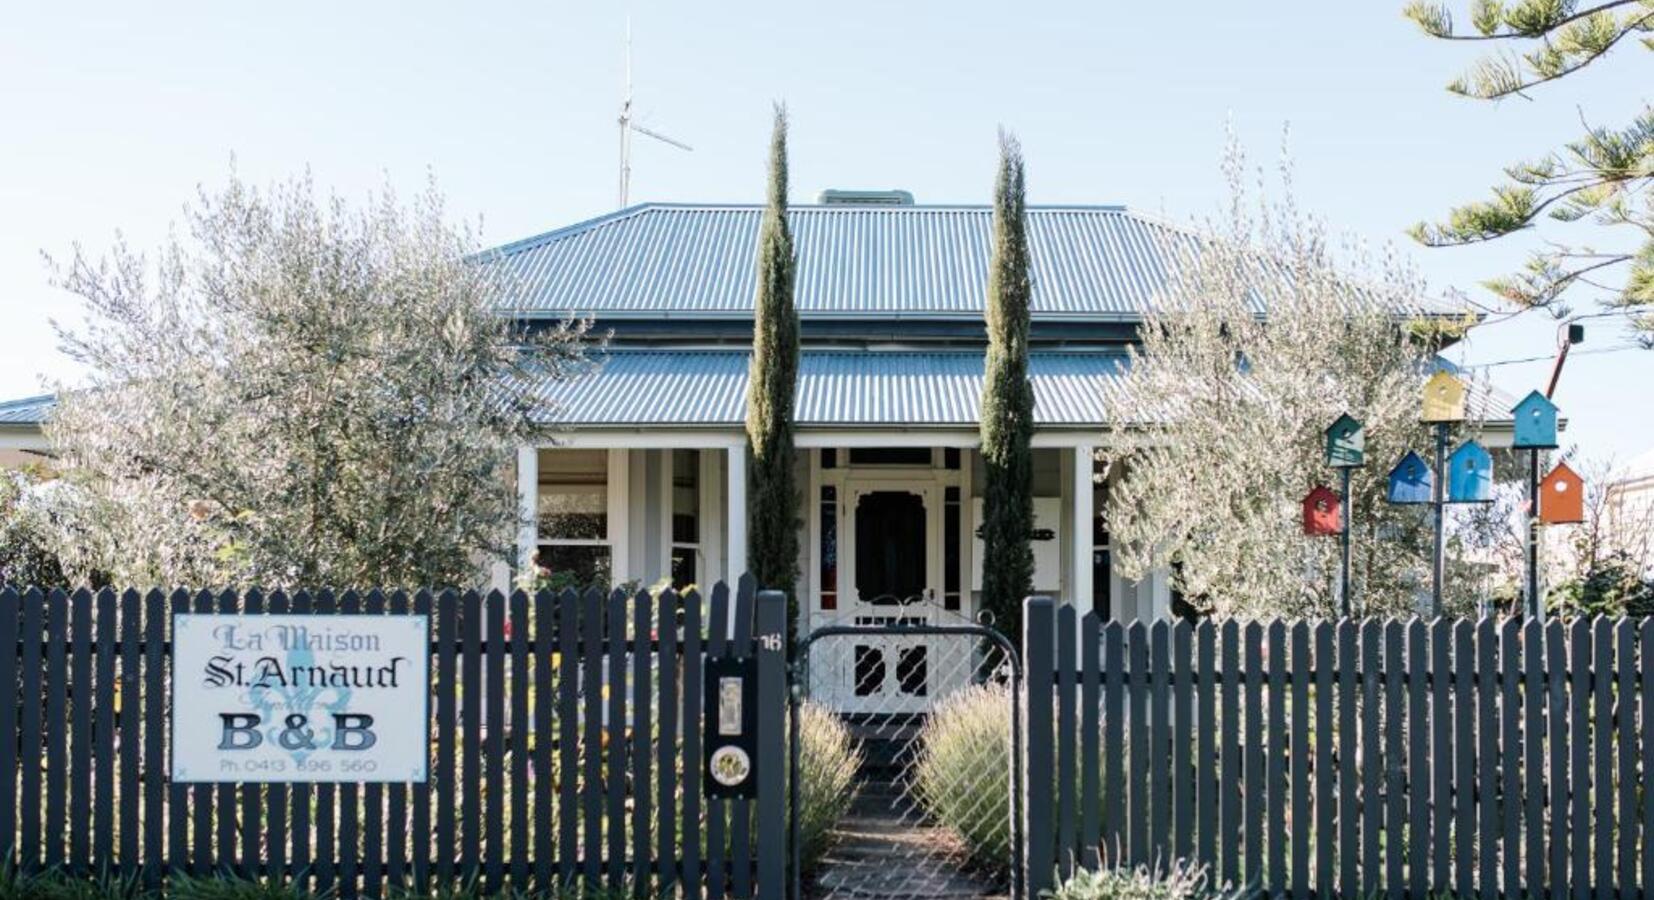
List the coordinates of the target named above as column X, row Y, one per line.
column 1265, row 332
column 298, row 391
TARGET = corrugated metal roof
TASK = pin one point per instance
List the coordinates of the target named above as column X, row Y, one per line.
column 835, row 388
column 664, row 260
column 27, row 411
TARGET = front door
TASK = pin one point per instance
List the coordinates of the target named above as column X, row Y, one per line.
column 892, row 568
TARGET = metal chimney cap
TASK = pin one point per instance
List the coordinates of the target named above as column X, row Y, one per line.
column 836, row 197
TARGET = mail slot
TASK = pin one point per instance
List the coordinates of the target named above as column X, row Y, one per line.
column 730, row 717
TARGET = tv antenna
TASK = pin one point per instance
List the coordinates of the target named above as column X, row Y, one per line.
column 628, row 125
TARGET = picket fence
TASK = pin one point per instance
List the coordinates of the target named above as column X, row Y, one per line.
column 1350, row 759
column 566, row 734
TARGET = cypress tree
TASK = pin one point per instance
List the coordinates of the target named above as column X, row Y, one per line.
column 1008, row 406
column 772, row 501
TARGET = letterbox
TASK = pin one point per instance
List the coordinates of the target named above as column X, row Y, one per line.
column 730, row 717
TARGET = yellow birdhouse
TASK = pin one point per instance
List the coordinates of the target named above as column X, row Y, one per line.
column 1443, row 398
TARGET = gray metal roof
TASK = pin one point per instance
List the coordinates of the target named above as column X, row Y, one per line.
column 836, row 388
column 27, row 411
column 899, row 261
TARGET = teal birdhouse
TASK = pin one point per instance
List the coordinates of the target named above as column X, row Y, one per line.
column 1535, row 418
column 1411, row 480
column 1346, row 443
column 1470, row 474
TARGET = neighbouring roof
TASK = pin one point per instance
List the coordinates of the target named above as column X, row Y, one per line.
column 27, row 411
column 664, row 260
column 836, row 388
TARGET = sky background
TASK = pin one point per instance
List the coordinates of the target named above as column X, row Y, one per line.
column 111, row 116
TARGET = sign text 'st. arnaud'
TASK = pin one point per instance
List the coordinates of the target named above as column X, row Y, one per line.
column 300, row 698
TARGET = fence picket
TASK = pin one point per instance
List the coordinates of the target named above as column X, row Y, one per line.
column 155, row 705
column 1159, row 846
column 1395, row 760
column 396, row 795
column 1206, row 800
column 568, row 735
column 615, row 744
column 447, row 753
column 493, row 739
column 1602, row 763
column 1229, row 798
column 1114, row 763
column 1556, row 659
column 519, row 635
column 1441, row 751
column 1325, row 769
column 81, row 693
column 643, row 724
column 1274, row 749
column 740, row 811
column 1625, row 634
column 1579, row 780
column 348, row 800
column 1038, row 637
column 1372, row 760
column 1182, row 745
column 1418, row 761
column 1090, row 728
column 10, row 611
column 1534, row 692
column 373, row 864
column 1299, row 767
column 1464, row 758
column 717, row 628
column 1510, row 786
column 1067, row 803
column 57, row 699
column 1487, row 752
column 102, row 700
column 545, row 697
column 666, row 615
column 1645, row 651
column 1137, row 750
column 1349, row 856
column 131, row 740
column 690, row 877
column 301, row 793
column 591, row 783
column 252, row 812
column 326, row 858
column 225, row 798
column 420, row 833
column 1252, row 740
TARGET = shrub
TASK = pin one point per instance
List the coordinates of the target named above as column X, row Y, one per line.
column 1181, row 881
column 827, row 760
column 219, row 888
column 56, row 885
column 962, row 776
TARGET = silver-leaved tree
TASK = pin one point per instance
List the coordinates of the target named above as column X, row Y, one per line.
column 1265, row 334
column 298, row 391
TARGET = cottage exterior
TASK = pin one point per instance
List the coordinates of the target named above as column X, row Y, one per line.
column 641, row 473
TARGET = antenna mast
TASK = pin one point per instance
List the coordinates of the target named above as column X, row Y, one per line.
column 629, row 125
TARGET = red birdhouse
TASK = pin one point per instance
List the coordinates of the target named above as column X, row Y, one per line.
column 1562, row 497
column 1323, row 511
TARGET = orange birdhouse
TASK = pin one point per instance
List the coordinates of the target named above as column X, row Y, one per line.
column 1323, row 511
column 1562, row 497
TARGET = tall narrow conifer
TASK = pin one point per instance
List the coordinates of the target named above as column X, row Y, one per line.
column 772, row 502
column 1008, row 406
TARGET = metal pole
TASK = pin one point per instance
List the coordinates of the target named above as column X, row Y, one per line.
column 1344, row 549
column 1536, row 605
column 1439, row 502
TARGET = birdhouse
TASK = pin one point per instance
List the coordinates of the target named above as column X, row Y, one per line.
column 1411, row 480
column 1443, row 398
column 1470, row 474
column 1346, row 443
column 1323, row 511
column 1535, row 419
column 1562, row 497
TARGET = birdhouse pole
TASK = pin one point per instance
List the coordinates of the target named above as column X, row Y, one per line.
column 1438, row 503
column 1536, row 603
column 1344, row 545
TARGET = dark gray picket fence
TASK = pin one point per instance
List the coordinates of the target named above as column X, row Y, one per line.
column 541, row 782
column 1350, row 758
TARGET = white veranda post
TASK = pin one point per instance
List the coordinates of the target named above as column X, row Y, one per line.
column 735, row 522
column 1080, row 535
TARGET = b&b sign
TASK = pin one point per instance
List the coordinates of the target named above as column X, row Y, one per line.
column 300, row 698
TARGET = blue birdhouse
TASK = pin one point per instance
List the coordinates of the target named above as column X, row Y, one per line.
column 1411, row 480
column 1470, row 474
column 1535, row 419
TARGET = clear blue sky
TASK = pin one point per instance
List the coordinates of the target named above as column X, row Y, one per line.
column 113, row 114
